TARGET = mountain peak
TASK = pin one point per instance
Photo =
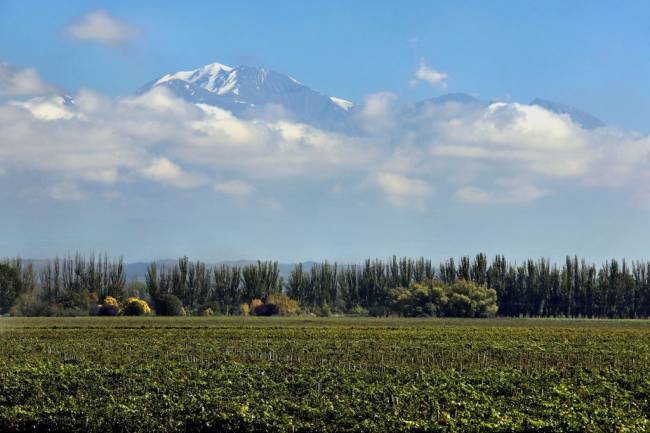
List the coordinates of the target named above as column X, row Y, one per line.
column 207, row 76
column 245, row 91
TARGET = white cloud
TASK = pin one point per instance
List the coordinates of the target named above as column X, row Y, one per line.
column 21, row 82
column 510, row 192
column 66, row 192
column 540, row 141
column 101, row 27
column 401, row 190
column 378, row 113
column 46, row 108
column 378, row 105
column 234, row 188
column 271, row 149
column 429, row 75
column 163, row 170
column 153, row 136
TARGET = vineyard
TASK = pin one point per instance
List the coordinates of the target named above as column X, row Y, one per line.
column 323, row 374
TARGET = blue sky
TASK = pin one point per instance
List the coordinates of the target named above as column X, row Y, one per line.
column 591, row 55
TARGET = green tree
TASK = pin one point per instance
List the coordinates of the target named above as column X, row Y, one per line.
column 468, row 299
column 10, row 286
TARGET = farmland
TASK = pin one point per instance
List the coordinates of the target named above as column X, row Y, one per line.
column 324, row 374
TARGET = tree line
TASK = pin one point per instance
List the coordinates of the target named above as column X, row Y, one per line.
column 63, row 284
column 470, row 286
column 536, row 288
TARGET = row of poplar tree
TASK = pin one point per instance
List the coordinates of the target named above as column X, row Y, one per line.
column 67, row 283
column 532, row 288
column 537, row 288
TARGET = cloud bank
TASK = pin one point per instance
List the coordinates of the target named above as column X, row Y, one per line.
column 404, row 155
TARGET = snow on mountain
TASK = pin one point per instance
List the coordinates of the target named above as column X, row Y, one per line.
column 253, row 92
column 210, row 77
column 344, row 104
column 249, row 92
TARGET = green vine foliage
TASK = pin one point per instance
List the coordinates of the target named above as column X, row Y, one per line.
column 143, row 374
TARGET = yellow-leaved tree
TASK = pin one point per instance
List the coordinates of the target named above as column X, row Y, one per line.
column 286, row 305
column 254, row 304
column 136, row 307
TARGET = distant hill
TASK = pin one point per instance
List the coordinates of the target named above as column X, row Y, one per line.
column 582, row 118
column 137, row 271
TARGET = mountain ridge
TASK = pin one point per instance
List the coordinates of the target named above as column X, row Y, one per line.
column 584, row 119
column 247, row 91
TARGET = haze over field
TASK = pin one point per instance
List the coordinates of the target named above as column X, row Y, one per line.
column 223, row 133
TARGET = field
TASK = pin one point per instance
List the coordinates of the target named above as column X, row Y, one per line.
column 331, row 374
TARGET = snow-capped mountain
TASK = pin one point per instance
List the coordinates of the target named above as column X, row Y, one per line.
column 250, row 92
column 253, row 92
